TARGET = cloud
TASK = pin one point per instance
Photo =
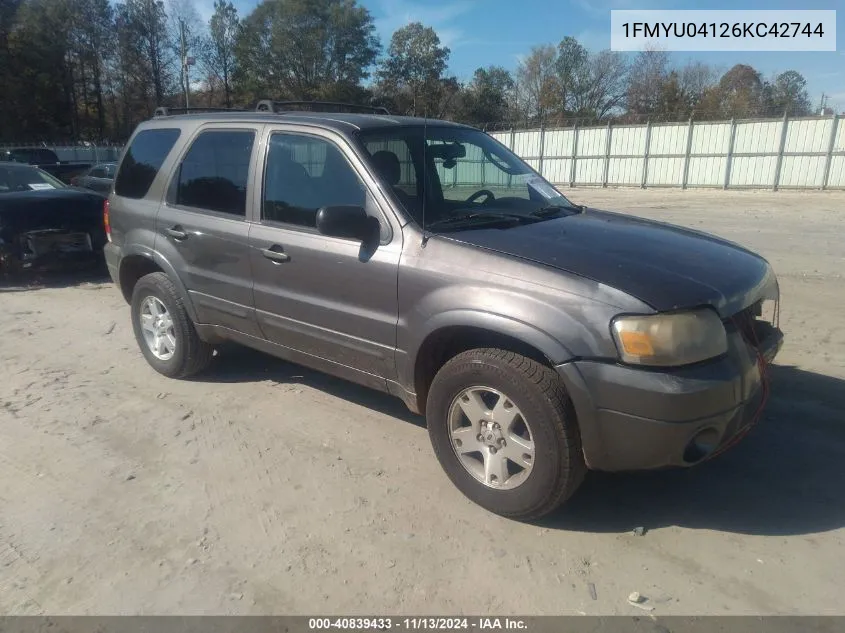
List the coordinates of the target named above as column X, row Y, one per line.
column 602, row 8
column 394, row 14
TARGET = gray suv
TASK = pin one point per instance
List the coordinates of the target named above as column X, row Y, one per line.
column 424, row 259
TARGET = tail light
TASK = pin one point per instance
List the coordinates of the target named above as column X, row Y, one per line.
column 106, row 223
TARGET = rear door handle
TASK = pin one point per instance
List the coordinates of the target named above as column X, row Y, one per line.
column 176, row 233
column 275, row 254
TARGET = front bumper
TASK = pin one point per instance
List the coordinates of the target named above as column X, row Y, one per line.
column 641, row 419
column 13, row 262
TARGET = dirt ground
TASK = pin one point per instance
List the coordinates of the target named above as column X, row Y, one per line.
column 265, row 488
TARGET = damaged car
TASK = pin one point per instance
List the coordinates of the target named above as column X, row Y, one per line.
column 45, row 224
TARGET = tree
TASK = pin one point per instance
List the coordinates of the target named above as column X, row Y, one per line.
column 92, row 31
column 8, row 68
column 789, row 94
column 145, row 39
column 39, row 45
column 600, row 86
column 656, row 89
column 537, row 79
column 695, row 79
column 305, row 49
column 413, row 69
column 488, row 96
column 571, row 66
column 647, row 79
column 220, row 54
column 674, row 102
column 741, row 93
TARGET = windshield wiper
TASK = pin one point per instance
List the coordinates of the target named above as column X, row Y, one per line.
column 555, row 209
column 483, row 215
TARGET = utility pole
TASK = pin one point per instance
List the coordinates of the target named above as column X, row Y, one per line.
column 184, row 47
column 823, row 101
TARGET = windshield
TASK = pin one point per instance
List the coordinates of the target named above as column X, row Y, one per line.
column 466, row 176
column 16, row 179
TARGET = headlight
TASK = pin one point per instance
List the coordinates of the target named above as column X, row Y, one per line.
column 670, row 339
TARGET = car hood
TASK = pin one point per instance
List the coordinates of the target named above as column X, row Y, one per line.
column 666, row 266
column 56, row 208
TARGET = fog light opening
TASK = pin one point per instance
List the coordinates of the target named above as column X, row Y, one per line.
column 701, row 445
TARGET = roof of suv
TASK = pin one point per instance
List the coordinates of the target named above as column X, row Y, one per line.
column 338, row 121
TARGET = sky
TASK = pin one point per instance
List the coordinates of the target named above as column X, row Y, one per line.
column 500, row 32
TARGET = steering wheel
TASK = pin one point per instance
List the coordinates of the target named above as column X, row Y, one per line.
column 482, row 192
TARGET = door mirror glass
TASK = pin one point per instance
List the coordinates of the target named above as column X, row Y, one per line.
column 344, row 221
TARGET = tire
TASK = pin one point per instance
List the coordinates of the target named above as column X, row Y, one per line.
column 556, row 468
column 191, row 354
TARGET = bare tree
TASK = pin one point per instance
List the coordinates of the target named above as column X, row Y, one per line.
column 646, row 82
column 696, row 78
column 600, row 85
column 538, row 82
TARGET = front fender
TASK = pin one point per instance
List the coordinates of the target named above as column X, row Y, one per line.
column 528, row 333
column 413, row 336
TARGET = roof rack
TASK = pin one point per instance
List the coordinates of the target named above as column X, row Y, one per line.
column 166, row 111
column 268, row 105
column 280, row 107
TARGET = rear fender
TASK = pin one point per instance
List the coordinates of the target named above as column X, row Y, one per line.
column 161, row 262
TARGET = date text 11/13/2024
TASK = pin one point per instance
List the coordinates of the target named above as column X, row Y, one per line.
column 429, row 623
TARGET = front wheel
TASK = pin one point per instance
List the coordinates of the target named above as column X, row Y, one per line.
column 505, row 432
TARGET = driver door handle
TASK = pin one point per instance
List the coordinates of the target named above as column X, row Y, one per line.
column 176, row 233
column 275, row 254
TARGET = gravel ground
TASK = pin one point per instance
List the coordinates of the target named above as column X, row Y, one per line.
column 266, row 488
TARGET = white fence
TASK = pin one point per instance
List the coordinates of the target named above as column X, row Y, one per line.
column 805, row 153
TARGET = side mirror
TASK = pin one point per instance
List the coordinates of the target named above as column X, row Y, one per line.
column 349, row 222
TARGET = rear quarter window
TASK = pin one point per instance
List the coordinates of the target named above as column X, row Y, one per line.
column 142, row 161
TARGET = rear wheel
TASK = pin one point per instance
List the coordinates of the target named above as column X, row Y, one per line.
column 164, row 330
column 504, row 431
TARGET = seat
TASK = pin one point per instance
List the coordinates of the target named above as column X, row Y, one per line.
column 387, row 164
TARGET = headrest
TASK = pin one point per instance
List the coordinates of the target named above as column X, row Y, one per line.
column 387, row 164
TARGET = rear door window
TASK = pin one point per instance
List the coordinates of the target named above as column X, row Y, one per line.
column 214, row 172
column 142, row 161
